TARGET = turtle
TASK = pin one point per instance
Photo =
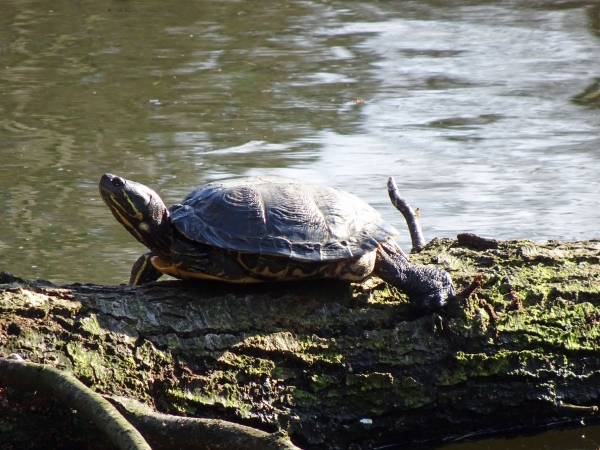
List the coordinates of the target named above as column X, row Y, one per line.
column 259, row 229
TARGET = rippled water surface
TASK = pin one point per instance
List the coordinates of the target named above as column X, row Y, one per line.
column 486, row 113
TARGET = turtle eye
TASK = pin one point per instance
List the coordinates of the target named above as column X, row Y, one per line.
column 118, row 182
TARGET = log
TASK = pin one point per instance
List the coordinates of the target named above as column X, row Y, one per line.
column 327, row 363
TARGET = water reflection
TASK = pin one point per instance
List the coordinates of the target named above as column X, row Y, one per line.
column 470, row 106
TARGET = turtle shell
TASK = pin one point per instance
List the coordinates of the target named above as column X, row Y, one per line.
column 280, row 216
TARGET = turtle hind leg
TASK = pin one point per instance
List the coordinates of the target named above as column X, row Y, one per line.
column 143, row 271
column 428, row 288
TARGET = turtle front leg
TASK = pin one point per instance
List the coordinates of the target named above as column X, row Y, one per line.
column 428, row 288
column 143, row 271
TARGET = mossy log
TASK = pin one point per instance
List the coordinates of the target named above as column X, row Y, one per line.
column 333, row 365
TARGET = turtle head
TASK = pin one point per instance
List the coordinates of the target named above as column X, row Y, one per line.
column 140, row 210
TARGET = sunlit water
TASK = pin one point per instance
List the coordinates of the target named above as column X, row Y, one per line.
column 471, row 107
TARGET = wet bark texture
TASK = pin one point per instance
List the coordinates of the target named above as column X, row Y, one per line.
column 334, row 365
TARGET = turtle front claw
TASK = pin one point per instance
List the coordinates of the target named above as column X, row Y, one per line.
column 428, row 288
column 143, row 271
column 437, row 289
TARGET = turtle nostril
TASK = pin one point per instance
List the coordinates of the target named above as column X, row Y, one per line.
column 118, row 182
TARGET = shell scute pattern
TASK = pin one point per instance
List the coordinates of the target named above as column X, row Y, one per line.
column 282, row 217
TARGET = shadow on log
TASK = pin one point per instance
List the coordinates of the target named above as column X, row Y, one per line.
column 333, row 365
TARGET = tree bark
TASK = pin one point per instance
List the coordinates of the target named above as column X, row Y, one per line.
column 333, row 365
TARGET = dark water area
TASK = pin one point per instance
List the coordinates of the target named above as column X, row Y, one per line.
column 486, row 113
column 581, row 438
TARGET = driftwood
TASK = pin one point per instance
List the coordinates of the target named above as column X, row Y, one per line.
column 331, row 364
column 412, row 219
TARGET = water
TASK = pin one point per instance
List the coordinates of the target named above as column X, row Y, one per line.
column 470, row 105
column 572, row 439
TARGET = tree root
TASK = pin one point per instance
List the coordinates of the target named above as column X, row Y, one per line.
column 18, row 373
column 166, row 431
column 416, row 235
column 162, row 430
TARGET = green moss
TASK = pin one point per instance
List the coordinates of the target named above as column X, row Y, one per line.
column 320, row 382
column 284, row 342
column 225, row 397
column 367, row 382
column 148, row 356
column 308, row 348
column 524, row 363
column 313, row 349
column 248, row 365
column 88, row 364
column 283, row 373
column 92, row 325
column 570, row 327
column 380, row 293
column 303, row 398
column 374, row 393
column 482, row 365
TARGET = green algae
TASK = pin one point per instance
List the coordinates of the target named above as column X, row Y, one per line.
column 571, row 327
column 320, row 382
column 374, row 393
column 377, row 389
column 282, row 341
column 283, row 373
column 91, row 324
column 88, row 364
column 217, row 388
column 532, row 364
column 149, row 357
column 304, row 398
column 310, row 349
column 248, row 365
